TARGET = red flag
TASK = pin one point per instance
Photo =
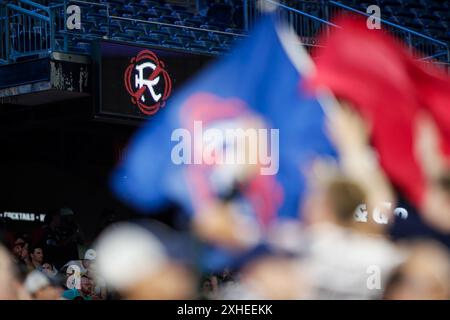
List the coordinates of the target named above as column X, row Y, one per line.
column 389, row 87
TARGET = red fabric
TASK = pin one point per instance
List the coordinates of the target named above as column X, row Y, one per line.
column 389, row 87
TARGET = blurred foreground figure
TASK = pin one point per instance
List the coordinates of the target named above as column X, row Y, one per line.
column 132, row 261
column 85, row 292
column 348, row 257
column 240, row 176
column 392, row 90
column 345, row 261
column 41, row 287
column 424, row 275
column 10, row 287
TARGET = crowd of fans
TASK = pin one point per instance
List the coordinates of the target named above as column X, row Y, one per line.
column 46, row 265
column 334, row 252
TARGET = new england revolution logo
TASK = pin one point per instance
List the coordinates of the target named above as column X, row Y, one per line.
column 147, row 82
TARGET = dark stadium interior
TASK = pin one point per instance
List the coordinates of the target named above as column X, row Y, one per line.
column 57, row 156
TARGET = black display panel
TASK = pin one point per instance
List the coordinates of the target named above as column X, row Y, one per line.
column 135, row 82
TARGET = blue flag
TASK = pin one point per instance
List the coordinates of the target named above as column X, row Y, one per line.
column 256, row 86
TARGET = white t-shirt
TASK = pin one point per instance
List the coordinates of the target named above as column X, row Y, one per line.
column 345, row 264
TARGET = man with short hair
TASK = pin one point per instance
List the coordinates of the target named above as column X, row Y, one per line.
column 21, row 253
column 17, row 249
column 37, row 256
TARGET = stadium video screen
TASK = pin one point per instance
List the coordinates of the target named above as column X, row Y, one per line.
column 136, row 81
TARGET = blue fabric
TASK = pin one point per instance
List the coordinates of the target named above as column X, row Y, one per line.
column 259, row 74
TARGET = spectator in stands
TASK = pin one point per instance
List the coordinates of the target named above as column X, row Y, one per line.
column 21, row 254
column 83, row 264
column 37, row 256
column 424, row 275
column 358, row 163
column 40, row 287
column 338, row 235
column 77, row 268
column 210, row 288
column 49, row 269
column 17, row 249
column 85, row 292
column 334, row 232
column 20, row 250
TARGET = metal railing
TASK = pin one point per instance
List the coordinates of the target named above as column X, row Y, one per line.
column 312, row 18
column 90, row 10
column 307, row 18
column 421, row 45
column 28, row 28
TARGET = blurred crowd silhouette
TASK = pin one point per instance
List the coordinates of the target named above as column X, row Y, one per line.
column 335, row 252
column 348, row 243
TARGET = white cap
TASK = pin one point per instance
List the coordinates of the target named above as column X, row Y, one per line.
column 90, row 254
column 35, row 281
column 127, row 252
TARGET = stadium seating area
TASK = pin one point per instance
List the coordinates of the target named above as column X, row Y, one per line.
column 214, row 26
column 431, row 18
column 161, row 23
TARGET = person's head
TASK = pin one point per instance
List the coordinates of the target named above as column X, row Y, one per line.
column 424, row 275
column 335, row 199
column 206, row 286
column 40, row 287
column 18, row 246
column 37, row 255
column 49, row 269
column 134, row 262
column 209, row 286
column 86, row 285
column 89, row 258
column 343, row 196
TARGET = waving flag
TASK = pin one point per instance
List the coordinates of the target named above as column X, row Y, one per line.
column 255, row 87
column 390, row 88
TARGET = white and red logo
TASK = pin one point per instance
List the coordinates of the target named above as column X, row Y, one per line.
column 147, row 82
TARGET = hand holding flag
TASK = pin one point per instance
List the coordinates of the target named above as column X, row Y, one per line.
column 258, row 80
column 390, row 89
